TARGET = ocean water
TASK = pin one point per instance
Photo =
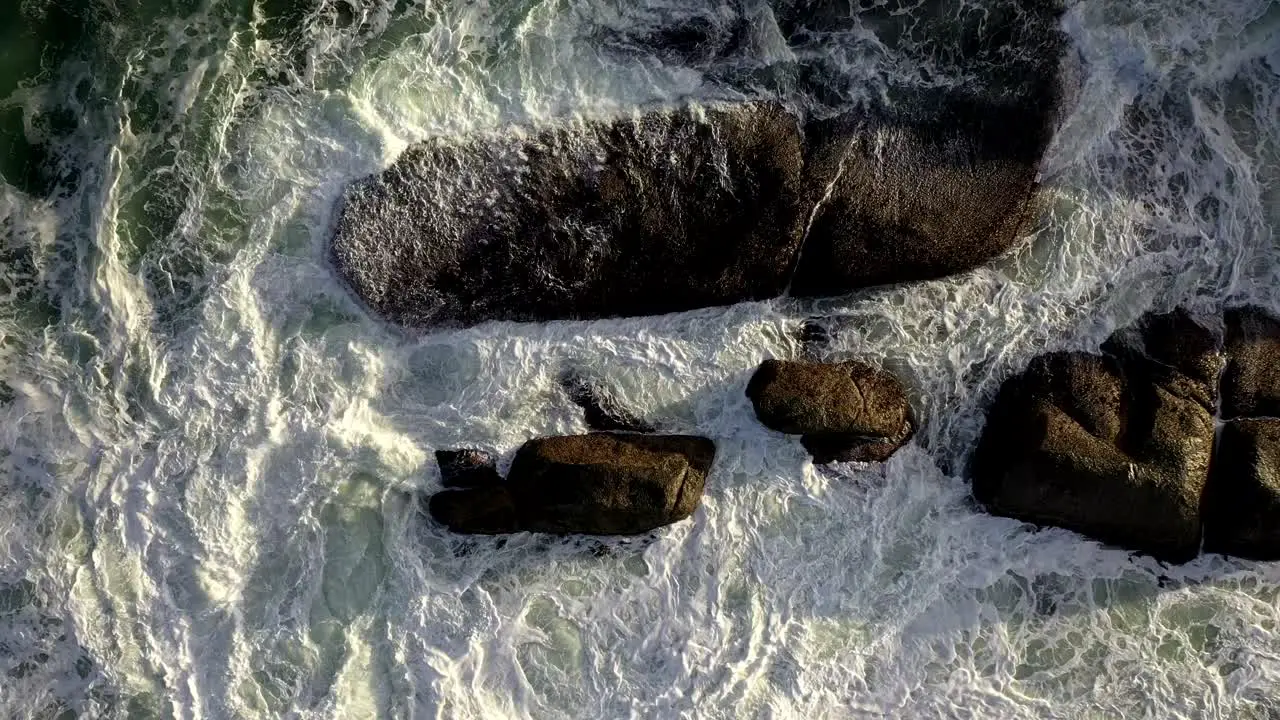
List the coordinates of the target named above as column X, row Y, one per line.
column 211, row 456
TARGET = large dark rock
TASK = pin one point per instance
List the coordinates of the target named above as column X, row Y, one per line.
column 1242, row 505
column 675, row 209
column 598, row 484
column 844, row 412
column 1114, row 446
column 666, row 211
column 1251, row 382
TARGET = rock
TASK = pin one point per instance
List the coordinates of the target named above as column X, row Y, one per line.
column 1114, row 446
column 1242, row 505
column 603, row 411
column 844, row 412
column 467, row 468
column 670, row 210
column 1251, row 382
column 698, row 39
column 666, row 211
column 599, row 484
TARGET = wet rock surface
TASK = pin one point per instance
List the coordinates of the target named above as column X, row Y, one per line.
column 664, row 211
column 599, row 484
column 1251, row 383
column 844, row 412
column 1242, row 506
column 1115, row 446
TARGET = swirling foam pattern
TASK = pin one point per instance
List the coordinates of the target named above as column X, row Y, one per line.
column 210, row 455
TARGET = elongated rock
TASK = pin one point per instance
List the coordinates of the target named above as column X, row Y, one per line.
column 676, row 209
column 598, row 484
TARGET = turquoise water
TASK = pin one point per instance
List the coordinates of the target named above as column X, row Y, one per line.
column 210, row 456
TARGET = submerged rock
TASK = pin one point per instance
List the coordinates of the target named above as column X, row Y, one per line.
column 814, row 337
column 1242, row 506
column 661, row 212
column 844, row 412
column 602, row 410
column 1251, row 382
column 467, row 468
column 599, row 484
column 1115, row 446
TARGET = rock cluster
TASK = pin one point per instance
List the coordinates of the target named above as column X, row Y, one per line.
column 1120, row 445
column 629, row 482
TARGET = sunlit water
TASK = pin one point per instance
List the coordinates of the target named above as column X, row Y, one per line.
column 211, row 456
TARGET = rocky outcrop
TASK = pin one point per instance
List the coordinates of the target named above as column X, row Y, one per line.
column 665, row 211
column 673, row 209
column 467, row 468
column 1115, row 446
column 599, row 484
column 844, row 412
column 1242, row 506
column 602, row 411
column 1251, row 383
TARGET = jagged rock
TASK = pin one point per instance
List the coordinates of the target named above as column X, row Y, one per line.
column 844, row 412
column 467, row 468
column 1251, row 382
column 599, row 484
column 1174, row 351
column 666, row 211
column 603, row 411
column 1114, row 446
column 1242, row 505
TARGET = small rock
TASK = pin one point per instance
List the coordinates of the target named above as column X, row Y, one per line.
column 467, row 468
column 1242, row 505
column 603, row 411
column 845, row 412
column 599, row 484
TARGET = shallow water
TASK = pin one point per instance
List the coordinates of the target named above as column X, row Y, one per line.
column 210, row 455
